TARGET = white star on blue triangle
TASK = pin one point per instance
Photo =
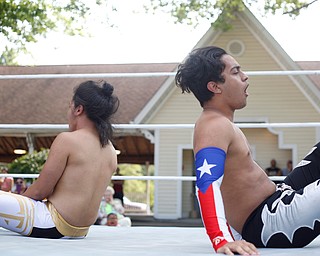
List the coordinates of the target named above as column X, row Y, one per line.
column 205, row 168
column 209, row 166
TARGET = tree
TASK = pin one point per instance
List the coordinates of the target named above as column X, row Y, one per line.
column 29, row 163
column 24, row 21
column 136, row 189
column 192, row 11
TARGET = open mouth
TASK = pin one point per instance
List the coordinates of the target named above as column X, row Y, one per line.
column 245, row 91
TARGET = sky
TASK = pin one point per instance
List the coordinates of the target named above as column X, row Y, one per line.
column 147, row 38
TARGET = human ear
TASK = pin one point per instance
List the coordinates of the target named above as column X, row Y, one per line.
column 213, row 87
column 78, row 110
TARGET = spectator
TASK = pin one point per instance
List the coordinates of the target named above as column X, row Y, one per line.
column 112, row 219
column 288, row 169
column 273, row 170
column 6, row 183
column 118, row 187
column 110, row 205
column 20, row 186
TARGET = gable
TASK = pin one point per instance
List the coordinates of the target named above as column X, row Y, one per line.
column 294, row 95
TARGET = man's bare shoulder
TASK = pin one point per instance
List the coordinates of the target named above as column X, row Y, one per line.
column 72, row 136
column 213, row 130
column 209, row 120
column 65, row 136
column 64, row 139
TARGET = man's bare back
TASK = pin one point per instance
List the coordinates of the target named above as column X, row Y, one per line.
column 245, row 185
column 77, row 171
column 89, row 168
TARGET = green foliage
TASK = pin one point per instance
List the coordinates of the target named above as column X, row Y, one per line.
column 8, row 56
column 137, row 189
column 25, row 20
column 192, row 11
column 29, row 163
column 290, row 7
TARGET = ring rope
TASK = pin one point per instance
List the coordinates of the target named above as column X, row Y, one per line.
column 168, row 178
column 45, row 128
column 152, row 74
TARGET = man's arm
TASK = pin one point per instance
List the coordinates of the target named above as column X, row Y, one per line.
column 210, row 170
column 52, row 170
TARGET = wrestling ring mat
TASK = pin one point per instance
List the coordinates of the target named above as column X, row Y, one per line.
column 120, row 241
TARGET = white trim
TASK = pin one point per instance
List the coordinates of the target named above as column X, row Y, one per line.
column 148, row 135
column 179, row 184
column 156, row 172
column 279, row 134
column 180, row 149
column 292, row 147
column 210, row 36
column 317, row 134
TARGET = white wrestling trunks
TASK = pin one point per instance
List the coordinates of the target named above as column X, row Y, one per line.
column 28, row 217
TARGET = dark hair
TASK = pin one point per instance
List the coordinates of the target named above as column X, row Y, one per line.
column 4, row 168
column 99, row 104
column 202, row 66
column 112, row 213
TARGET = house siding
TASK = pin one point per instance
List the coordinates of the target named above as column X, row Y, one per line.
column 178, row 109
column 170, row 196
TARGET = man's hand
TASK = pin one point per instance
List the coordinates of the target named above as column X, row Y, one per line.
column 241, row 247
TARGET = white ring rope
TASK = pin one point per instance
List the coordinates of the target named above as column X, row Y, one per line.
column 152, row 74
column 27, row 128
column 92, row 75
column 168, row 178
column 45, row 128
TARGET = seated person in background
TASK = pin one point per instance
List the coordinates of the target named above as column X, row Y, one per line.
column 273, row 170
column 288, row 169
column 110, row 205
column 112, row 219
column 20, row 186
column 6, row 183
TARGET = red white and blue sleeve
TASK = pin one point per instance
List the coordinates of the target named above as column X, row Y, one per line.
column 209, row 172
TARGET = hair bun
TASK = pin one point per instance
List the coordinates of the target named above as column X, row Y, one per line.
column 107, row 89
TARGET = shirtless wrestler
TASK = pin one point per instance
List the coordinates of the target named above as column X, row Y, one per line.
column 241, row 208
column 65, row 199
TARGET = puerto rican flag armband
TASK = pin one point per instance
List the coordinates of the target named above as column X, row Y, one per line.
column 209, row 172
column 209, row 166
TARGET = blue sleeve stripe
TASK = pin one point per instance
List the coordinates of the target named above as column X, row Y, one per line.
column 209, row 164
column 208, row 149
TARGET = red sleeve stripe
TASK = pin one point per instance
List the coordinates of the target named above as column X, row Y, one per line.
column 212, row 212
